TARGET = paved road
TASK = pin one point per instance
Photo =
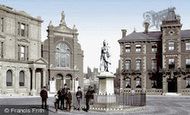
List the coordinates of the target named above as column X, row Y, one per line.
column 156, row 105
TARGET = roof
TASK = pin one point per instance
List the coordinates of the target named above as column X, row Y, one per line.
column 150, row 36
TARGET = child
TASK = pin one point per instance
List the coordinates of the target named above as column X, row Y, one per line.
column 56, row 102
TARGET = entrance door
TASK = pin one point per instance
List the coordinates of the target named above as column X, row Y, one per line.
column 172, row 85
column 59, row 82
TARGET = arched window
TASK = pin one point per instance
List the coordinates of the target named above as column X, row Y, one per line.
column 9, row 78
column 62, row 55
column 21, row 78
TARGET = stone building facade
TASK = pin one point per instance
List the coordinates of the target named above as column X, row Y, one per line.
column 64, row 55
column 156, row 61
column 22, row 70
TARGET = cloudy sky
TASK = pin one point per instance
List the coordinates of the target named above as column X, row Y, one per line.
column 98, row 20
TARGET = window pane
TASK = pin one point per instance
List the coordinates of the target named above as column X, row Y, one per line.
column 62, row 55
column 154, row 48
column 187, row 46
column 128, row 65
column 21, row 78
column 154, row 64
column 138, row 48
column 9, row 78
column 138, row 64
column 171, row 46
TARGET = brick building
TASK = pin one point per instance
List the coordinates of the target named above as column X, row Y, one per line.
column 156, row 61
column 64, row 55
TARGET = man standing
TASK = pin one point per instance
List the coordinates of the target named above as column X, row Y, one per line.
column 89, row 96
column 68, row 98
column 44, row 96
column 63, row 93
column 59, row 98
column 79, row 97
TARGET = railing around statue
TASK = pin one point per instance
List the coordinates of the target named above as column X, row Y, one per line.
column 185, row 91
column 127, row 98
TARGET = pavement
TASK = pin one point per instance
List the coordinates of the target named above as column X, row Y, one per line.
column 156, row 105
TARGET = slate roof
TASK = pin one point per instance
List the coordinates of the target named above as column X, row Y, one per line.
column 150, row 36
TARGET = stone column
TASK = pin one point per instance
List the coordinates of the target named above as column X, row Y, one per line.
column 164, row 82
column 179, row 85
column 34, row 81
column 44, row 77
column 27, row 83
column 16, row 80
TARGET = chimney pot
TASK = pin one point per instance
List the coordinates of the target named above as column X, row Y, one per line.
column 124, row 32
column 146, row 26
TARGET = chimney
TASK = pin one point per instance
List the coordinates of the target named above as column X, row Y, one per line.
column 124, row 31
column 146, row 26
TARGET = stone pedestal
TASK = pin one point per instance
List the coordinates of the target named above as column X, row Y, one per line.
column 105, row 99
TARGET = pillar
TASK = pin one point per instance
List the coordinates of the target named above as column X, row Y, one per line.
column 164, row 83
column 33, row 82
column 44, row 77
column 179, row 85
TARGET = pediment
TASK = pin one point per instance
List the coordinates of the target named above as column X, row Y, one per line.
column 41, row 61
column 23, row 40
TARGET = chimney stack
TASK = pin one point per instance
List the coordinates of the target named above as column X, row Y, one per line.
column 146, row 26
column 124, row 32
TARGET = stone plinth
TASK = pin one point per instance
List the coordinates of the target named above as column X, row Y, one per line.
column 105, row 99
column 106, row 83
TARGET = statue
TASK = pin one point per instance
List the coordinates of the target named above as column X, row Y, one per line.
column 104, row 58
column 62, row 22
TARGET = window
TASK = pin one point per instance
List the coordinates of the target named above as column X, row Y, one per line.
column 154, row 64
column 171, row 64
column 22, row 52
column 1, row 49
column 171, row 46
column 23, row 29
column 62, row 55
column 187, row 63
column 188, row 82
column 2, row 24
column 21, row 78
column 187, row 46
column 127, row 48
column 128, row 83
column 154, row 48
column 128, row 65
column 138, row 48
column 138, row 64
column 9, row 78
column 138, row 82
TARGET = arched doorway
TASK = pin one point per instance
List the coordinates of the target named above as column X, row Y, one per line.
column 68, row 80
column 59, row 81
column 172, row 85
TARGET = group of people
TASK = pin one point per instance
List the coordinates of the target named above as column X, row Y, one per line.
column 64, row 94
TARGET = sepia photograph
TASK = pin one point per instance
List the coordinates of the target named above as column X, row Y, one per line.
column 94, row 57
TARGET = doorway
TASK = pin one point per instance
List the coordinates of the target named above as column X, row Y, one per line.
column 172, row 85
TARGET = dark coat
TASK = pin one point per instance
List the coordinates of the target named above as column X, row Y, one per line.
column 79, row 94
column 43, row 94
column 68, row 97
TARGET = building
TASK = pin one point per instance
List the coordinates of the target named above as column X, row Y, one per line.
column 22, row 70
column 156, row 61
column 64, row 55
column 91, row 78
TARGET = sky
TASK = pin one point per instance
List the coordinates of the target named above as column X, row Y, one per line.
column 99, row 20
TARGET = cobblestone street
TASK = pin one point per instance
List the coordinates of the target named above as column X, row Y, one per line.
column 156, row 105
